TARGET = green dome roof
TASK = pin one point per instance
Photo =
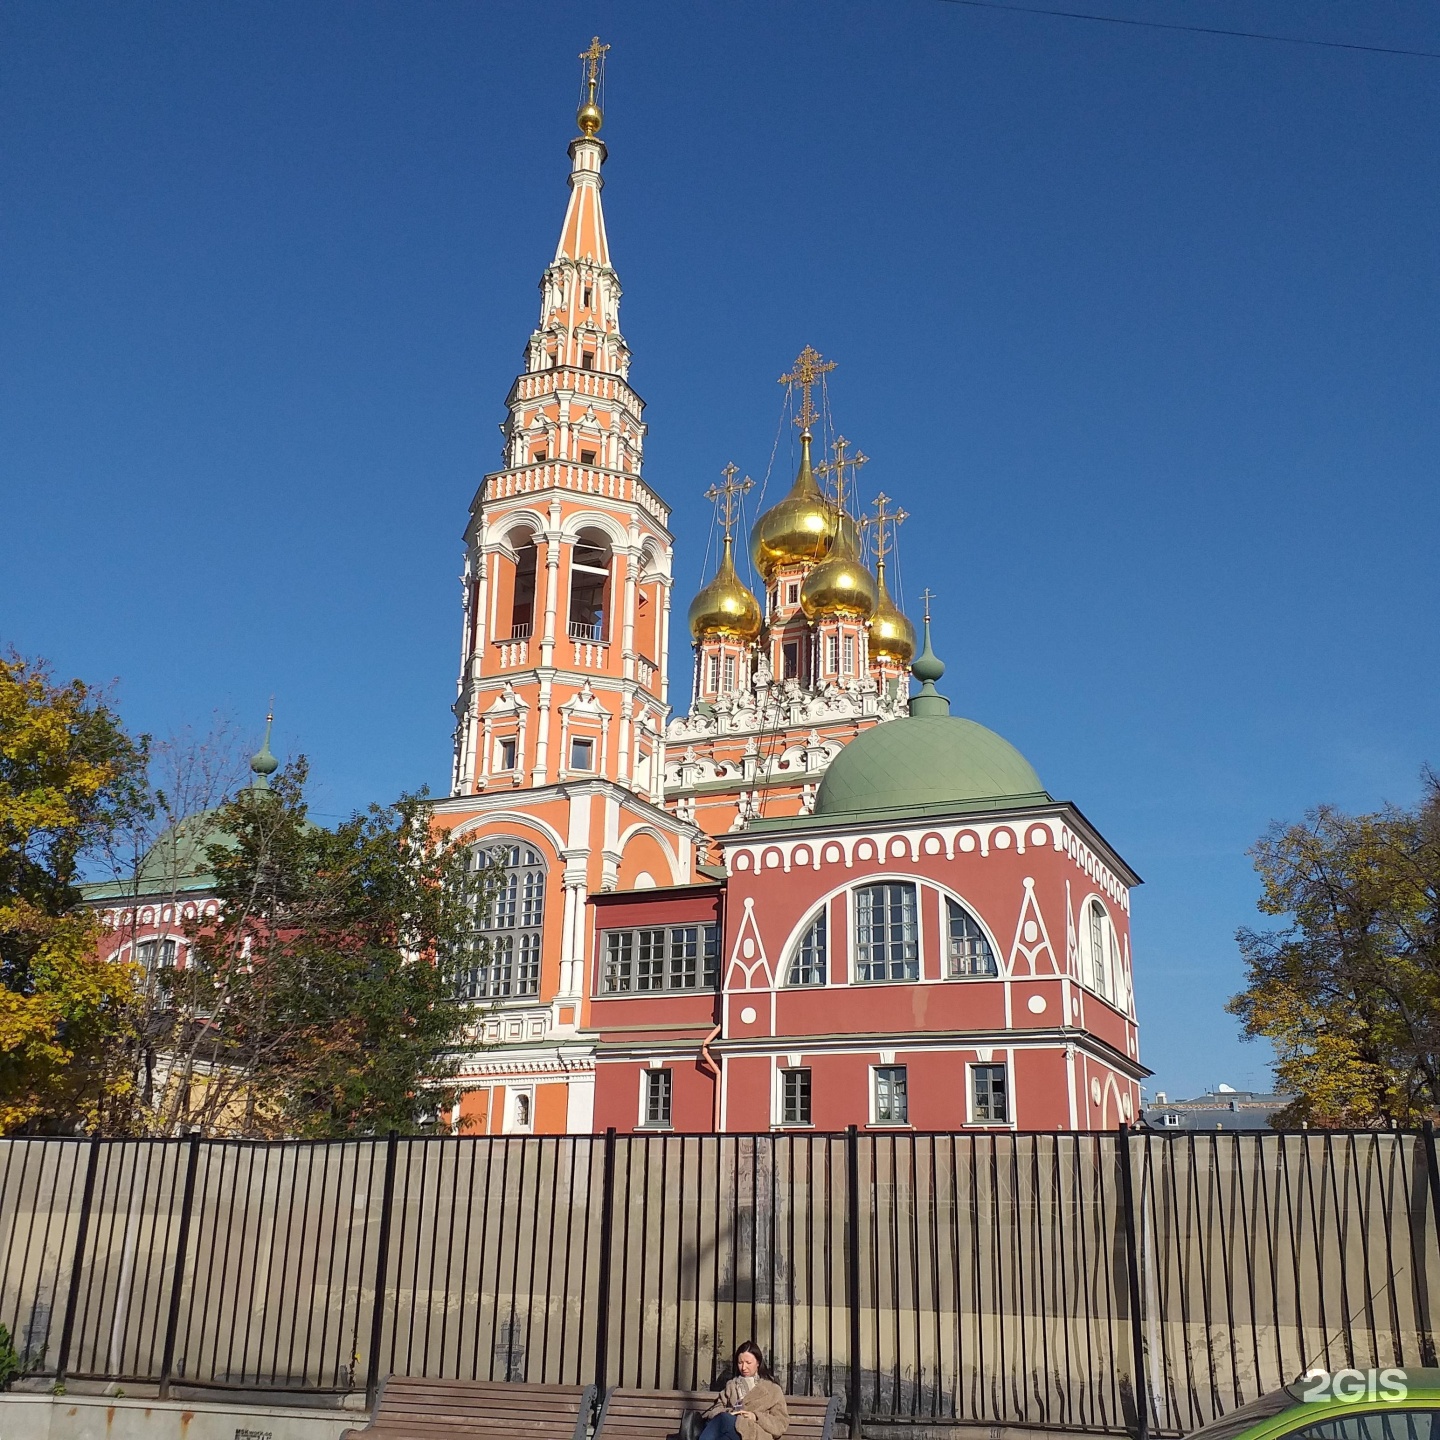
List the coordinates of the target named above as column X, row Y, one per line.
column 927, row 763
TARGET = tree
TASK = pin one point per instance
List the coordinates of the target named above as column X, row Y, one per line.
column 322, row 1002
column 70, row 777
column 1349, row 990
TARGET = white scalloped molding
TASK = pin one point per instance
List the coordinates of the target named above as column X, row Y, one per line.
column 982, row 837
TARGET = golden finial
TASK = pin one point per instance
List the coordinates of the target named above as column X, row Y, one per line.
column 837, row 469
column 590, row 117
column 808, row 369
column 726, row 497
column 885, row 522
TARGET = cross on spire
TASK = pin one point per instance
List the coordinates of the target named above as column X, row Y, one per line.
column 839, row 467
column 726, row 497
column 886, row 521
column 594, row 58
column 808, row 369
column 926, row 596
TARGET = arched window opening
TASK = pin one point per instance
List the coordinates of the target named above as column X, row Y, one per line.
column 887, row 932
column 505, row 944
column 522, row 607
column 522, row 1111
column 807, row 964
column 589, row 586
column 969, row 950
column 1099, row 949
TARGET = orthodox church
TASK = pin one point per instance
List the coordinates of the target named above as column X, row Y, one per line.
column 814, row 900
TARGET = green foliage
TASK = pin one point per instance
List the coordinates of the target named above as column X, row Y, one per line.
column 1349, row 990
column 322, row 1002
column 11, row 1365
column 69, row 778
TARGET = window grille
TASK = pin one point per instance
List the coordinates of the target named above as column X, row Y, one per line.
column 807, row 965
column 729, row 674
column 832, row 653
column 1097, row 948
column 714, row 673
column 849, row 668
column 657, row 1098
column 990, row 1101
column 677, row 957
column 887, row 940
column 892, row 1099
column 155, row 954
column 795, row 1097
column 969, row 951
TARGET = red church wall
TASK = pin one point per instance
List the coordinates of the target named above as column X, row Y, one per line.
column 618, row 1095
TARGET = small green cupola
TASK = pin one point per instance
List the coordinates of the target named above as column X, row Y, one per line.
column 263, row 763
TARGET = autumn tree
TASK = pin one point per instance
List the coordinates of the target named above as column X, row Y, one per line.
column 323, row 1001
column 70, row 777
column 1348, row 990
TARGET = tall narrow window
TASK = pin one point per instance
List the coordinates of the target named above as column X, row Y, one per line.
column 807, row 965
column 1099, row 967
column 989, row 1100
column 585, row 296
column 505, row 752
column 714, row 674
column 587, row 360
column 969, row 950
column 657, row 1098
column 505, row 944
column 887, row 937
column 790, row 661
column 729, row 686
column 589, row 586
column 892, row 1098
column 522, row 606
column 832, row 653
column 795, row 1097
column 849, row 666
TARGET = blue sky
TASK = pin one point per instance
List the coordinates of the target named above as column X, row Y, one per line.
column 1140, row 326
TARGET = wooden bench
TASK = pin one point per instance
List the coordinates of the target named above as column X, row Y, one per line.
column 655, row 1414
column 410, row 1409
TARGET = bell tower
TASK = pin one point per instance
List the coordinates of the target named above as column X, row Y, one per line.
column 559, row 712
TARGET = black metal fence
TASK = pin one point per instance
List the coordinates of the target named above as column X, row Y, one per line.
column 1093, row 1282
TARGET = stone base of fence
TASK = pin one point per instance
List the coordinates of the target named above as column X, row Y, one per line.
column 138, row 1417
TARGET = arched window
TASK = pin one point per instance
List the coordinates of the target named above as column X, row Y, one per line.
column 506, row 940
column 887, row 932
column 589, row 586
column 1100, row 943
column 522, row 605
column 969, row 951
column 807, row 963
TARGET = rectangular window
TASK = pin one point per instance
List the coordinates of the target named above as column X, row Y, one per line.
column 582, row 754
column 585, row 296
column 541, row 456
column 989, row 1101
column 795, row 1097
column 714, row 674
column 792, row 594
column 892, row 1102
column 887, row 935
column 587, row 457
column 676, row 957
column 729, row 674
column 505, row 760
column 832, row 654
column 790, row 661
column 1097, row 949
column 657, row 1098
column 587, row 360
column 849, row 665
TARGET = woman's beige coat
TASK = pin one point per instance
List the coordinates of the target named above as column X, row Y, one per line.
column 765, row 1400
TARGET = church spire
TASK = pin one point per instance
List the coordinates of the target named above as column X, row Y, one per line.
column 582, row 237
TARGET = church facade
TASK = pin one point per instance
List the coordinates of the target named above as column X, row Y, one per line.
column 811, row 900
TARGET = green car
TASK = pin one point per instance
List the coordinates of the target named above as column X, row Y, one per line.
column 1390, row 1404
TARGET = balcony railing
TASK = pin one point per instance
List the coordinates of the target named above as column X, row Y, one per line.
column 584, row 630
column 520, row 632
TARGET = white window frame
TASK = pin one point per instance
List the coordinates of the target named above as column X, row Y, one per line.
column 513, row 1096
column 780, row 1118
column 507, row 753
column 643, row 1121
column 875, row 1097
column 820, row 913
column 588, row 744
column 853, row 967
column 971, row 1118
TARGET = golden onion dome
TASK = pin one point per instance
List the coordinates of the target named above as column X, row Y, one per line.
column 840, row 585
column 725, row 608
column 799, row 529
column 892, row 636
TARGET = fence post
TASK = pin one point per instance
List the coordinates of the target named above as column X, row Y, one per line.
column 82, row 1234
column 607, row 1221
column 1132, row 1270
column 182, row 1244
column 852, row 1268
column 1432, row 1174
column 382, row 1262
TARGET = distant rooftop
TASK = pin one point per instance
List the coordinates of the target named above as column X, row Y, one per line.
column 1224, row 1108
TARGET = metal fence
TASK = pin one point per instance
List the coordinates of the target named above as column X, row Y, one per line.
column 1094, row 1282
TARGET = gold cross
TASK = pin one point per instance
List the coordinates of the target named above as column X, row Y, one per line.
column 808, row 369
column 594, row 58
column 926, row 596
column 726, row 497
column 886, row 522
column 838, row 467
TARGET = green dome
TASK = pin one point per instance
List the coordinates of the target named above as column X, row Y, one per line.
column 927, row 763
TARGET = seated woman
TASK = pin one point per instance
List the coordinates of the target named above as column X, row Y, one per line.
column 751, row 1406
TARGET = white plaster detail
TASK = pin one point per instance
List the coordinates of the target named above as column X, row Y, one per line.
column 1036, row 1004
column 747, row 1015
